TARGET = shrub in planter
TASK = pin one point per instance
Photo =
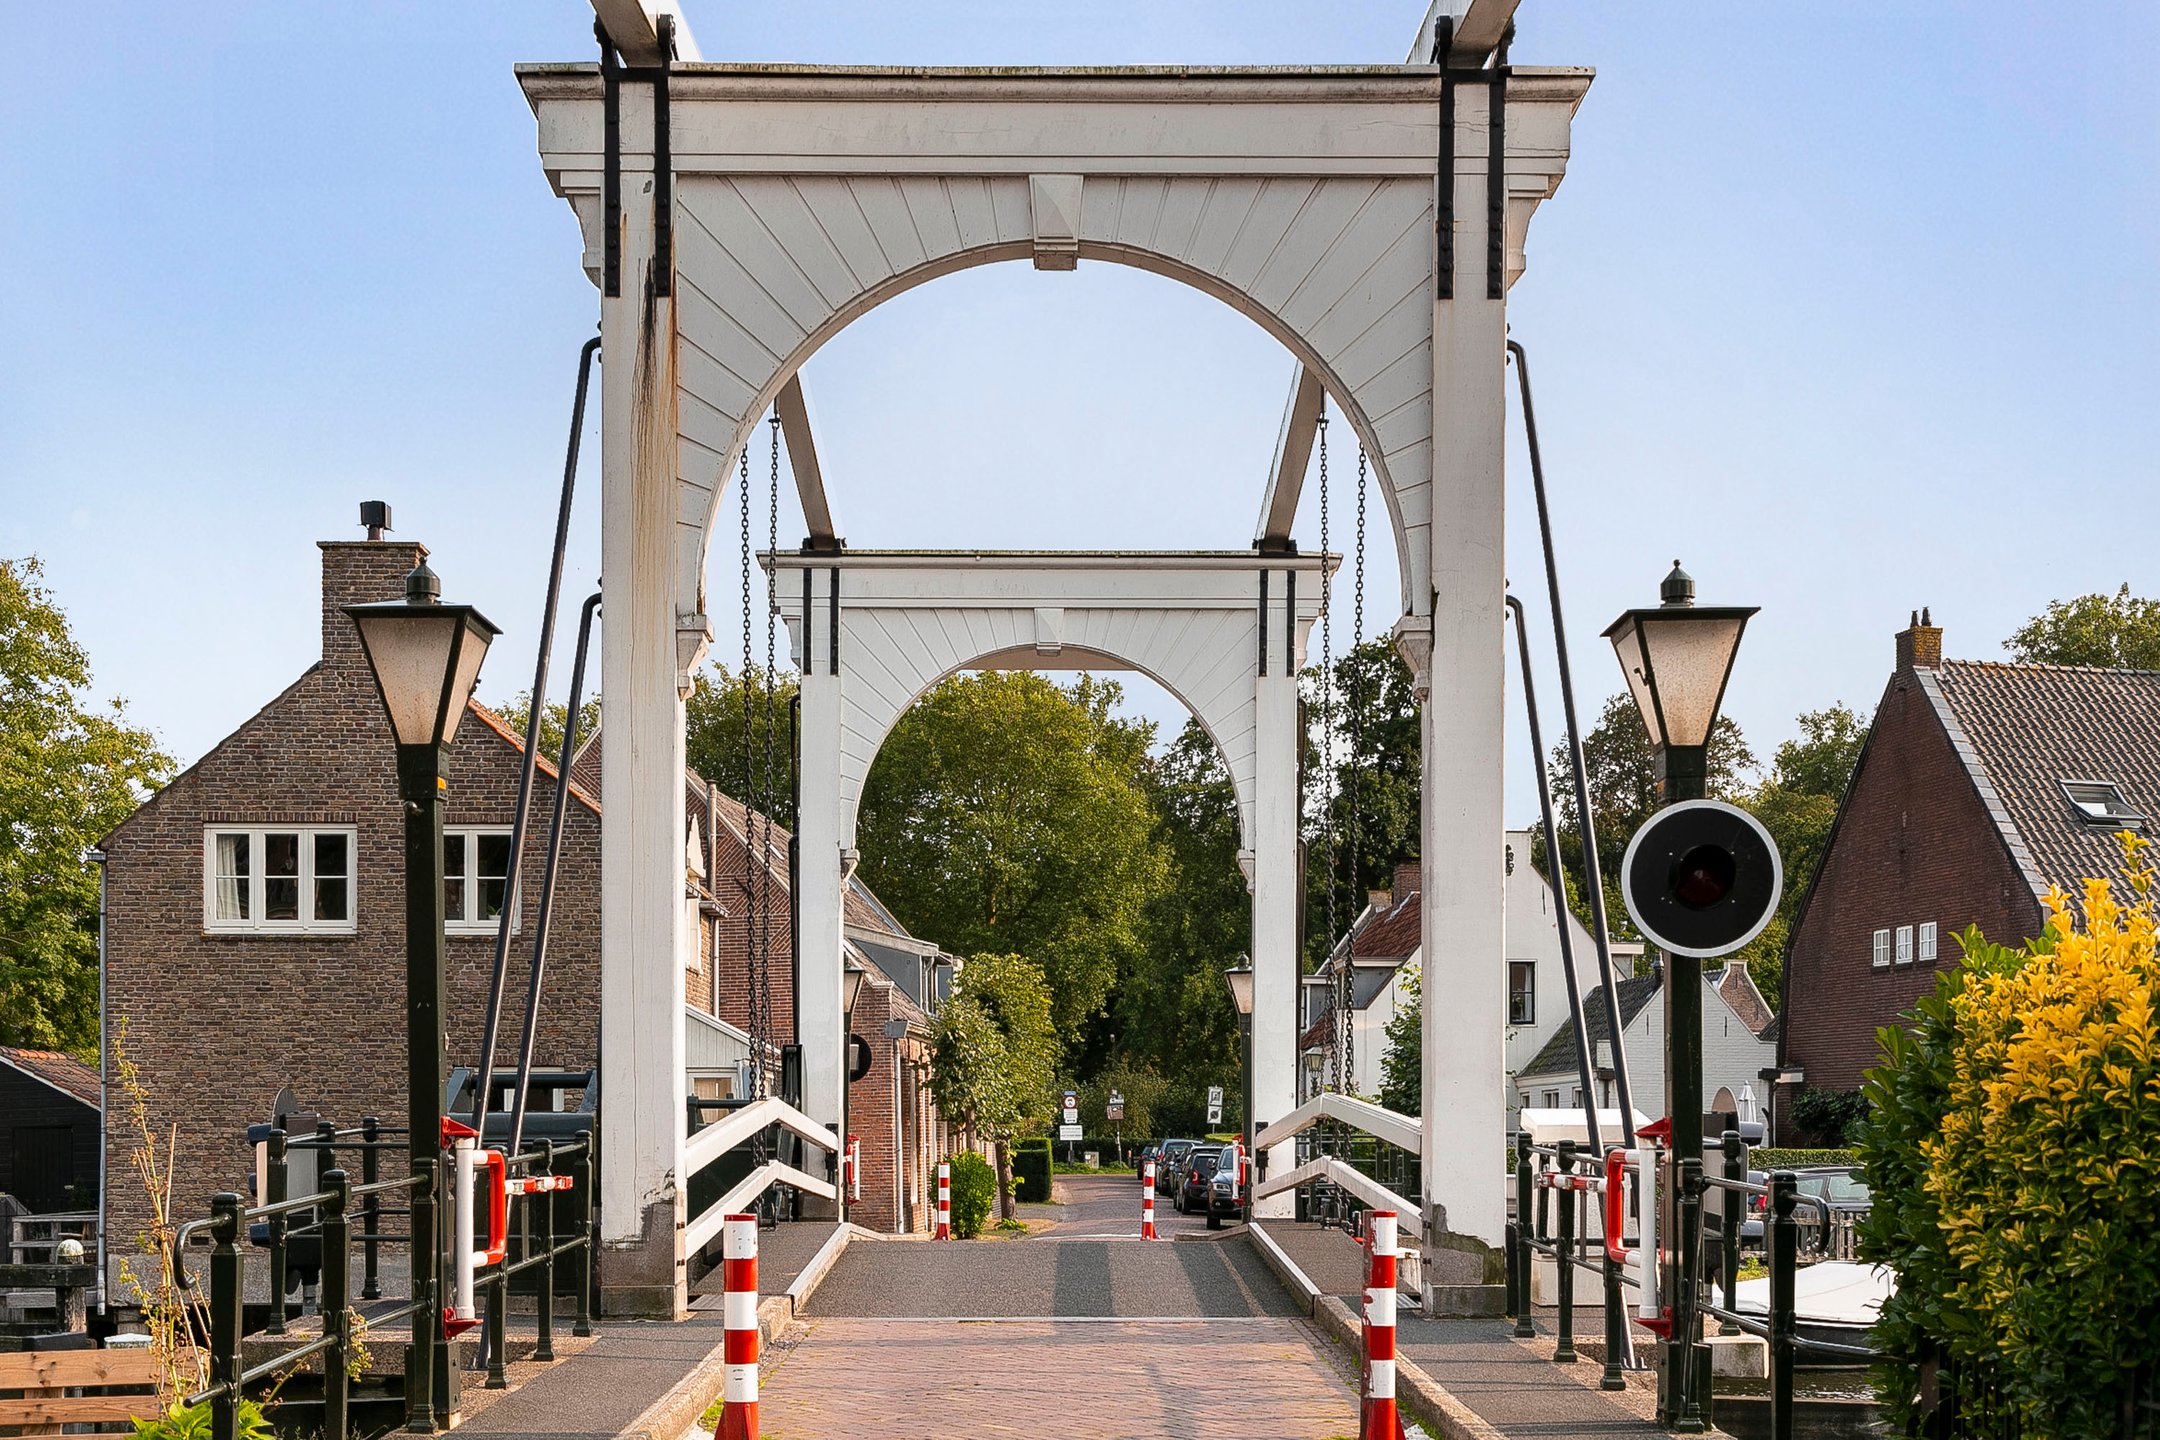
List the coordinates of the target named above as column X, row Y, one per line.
column 1031, row 1173
column 974, row 1187
column 2012, row 1154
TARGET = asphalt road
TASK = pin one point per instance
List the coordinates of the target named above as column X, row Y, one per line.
column 1090, row 1264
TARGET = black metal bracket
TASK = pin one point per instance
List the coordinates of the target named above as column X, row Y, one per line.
column 1444, row 178
column 1496, row 174
column 610, row 166
column 1263, row 622
column 663, row 271
column 1495, row 78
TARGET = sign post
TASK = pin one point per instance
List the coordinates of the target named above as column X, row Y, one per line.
column 1214, row 1104
column 1069, row 1132
column 1114, row 1112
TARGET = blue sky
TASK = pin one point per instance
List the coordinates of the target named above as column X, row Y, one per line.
column 1855, row 308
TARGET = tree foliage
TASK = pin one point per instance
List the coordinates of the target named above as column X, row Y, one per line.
column 1402, row 1064
column 2118, row 631
column 1365, row 778
column 715, row 745
column 2012, row 1153
column 994, row 1050
column 1006, row 814
column 553, row 717
column 1798, row 803
column 69, row 773
column 1172, row 1013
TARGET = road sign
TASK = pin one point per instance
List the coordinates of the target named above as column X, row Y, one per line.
column 1701, row 878
column 1214, row 1114
column 1214, row 1097
column 1068, row 1132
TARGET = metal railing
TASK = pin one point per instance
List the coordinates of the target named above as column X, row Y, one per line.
column 326, row 1217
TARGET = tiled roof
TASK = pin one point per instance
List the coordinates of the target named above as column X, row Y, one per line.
column 1737, row 988
column 2024, row 729
column 1558, row 1056
column 501, row 729
column 63, row 1072
column 1392, row 934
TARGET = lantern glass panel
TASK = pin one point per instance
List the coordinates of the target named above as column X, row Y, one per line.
column 1690, row 654
column 411, row 653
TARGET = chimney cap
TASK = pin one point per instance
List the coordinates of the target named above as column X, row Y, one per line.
column 1678, row 588
column 375, row 516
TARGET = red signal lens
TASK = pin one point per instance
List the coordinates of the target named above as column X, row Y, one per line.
column 1703, row 876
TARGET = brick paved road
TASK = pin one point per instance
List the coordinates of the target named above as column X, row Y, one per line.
column 1074, row 1380
column 1076, row 1332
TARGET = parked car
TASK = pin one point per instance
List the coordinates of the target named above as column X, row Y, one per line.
column 1842, row 1197
column 1144, row 1154
column 1195, row 1171
column 1751, row 1213
column 1224, row 1202
column 1168, row 1159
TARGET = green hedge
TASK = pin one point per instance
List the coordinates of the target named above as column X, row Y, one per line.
column 1031, row 1171
column 1767, row 1159
column 974, row 1186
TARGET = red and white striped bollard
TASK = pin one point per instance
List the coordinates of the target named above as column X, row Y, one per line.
column 944, row 1200
column 1147, row 1201
column 854, row 1168
column 1379, row 1419
column 739, row 1353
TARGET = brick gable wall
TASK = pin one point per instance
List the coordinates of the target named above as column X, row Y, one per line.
column 1914, row 843
column 218, row 1023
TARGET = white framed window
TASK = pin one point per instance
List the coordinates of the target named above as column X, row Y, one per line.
column 1881, row 958
column 1927, row 942
column 1522, row 992
column 1904, row 944
column 278, row 880
column 476, row 878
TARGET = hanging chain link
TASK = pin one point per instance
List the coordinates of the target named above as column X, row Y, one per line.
column 770, row 795
column 753, row 952
column 1357, row 742
column 1326, row 763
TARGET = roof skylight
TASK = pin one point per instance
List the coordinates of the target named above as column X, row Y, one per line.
column 2101, row 802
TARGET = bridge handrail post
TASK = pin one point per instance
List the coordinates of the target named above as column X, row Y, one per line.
column 581, row 1184
column 1732, row 1214
column 1564, row 1258
column 277, row 1185
column 544, row 1341
column 370, row 1209
column 336, row 1305
column 1784, row 1245
column 1521, row 1248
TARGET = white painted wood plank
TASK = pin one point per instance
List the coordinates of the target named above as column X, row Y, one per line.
column 1140, row 210
column 1335, row 213
column 1388, row 248
column 929, row 205
column 724, row 282
column 974, row 212
column 778, row 205
column 836, row 207
column 1185, row 201
column 1274, row 215
column 1229, row 203
column 887, row 213
column 725, row 216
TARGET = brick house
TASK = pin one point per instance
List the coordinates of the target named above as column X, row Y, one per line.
column 1981, row 786
column 255, row 921
column 49, row 1128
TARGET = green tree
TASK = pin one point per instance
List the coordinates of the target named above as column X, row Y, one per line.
column 2118, row 631
column 1373, row 793
column 553, row 716
column 1620, row 771
column 1172, row 1011
column 1798, row 803
column 69, row 773
column 714, row 745
column 1402, row 1065
column 995, row 1055
column 1007, row 814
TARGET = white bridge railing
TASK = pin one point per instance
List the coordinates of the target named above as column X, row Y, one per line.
column 1401, row 1131
column 732, row 1131
column 1347, row 1177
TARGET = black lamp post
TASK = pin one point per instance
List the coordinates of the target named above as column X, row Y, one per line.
column 1677, row 659
column 1239, row 978
column 425, row 656
column 852, row 977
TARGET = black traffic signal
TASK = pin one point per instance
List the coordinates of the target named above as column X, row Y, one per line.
column 1701, row 878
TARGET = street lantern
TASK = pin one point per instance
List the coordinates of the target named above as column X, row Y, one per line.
column 1239, row 978
column 1677, row 658
column 426, row 657
column 851, row 985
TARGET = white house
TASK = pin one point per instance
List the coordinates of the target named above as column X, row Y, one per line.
column 1383, row 942
column 1738, row 1045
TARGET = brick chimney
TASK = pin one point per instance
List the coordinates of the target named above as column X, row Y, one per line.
column 1408, row 878
column 1919, row 644
column 358, row 572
